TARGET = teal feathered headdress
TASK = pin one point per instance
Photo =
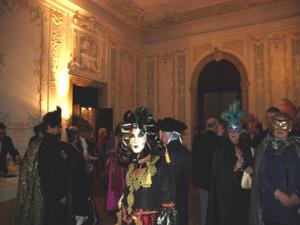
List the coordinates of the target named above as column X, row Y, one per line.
column 233, row 116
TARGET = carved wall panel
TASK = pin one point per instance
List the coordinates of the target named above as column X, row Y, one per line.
column 113, row 77
column 126, row 86
column 150, row 89
column 201, row 50
column 259, row 73
column 89, row 48
column 165, row 85
column 138, row 81
column 181, row 78
column 296, row 69
column 57, row 38
column 277, row 69
column 236, row 46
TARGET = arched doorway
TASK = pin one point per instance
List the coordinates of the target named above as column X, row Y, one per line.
column 197, row 72
column 219, row 84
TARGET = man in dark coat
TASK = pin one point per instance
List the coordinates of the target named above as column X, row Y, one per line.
column 170, row 134
column 203, row 149
column 6, row 146
column 52, row 171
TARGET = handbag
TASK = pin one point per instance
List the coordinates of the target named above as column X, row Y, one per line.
column 246, row 181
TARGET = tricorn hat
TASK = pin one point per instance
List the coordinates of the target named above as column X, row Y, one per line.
column 169, row 124
column 53, row 118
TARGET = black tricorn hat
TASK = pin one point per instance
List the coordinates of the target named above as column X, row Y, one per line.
column 53, row 118
column 169, row 124
column 2, row 126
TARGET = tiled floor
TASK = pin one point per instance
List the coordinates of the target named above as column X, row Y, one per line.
column 109, row 219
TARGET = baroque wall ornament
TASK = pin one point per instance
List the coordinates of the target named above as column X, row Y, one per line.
column 296, row 68
column 199, row 51
column 165, row 84
column 259, row 73
column 235, row 45
column 86, row 22
column 150, row 82
column 277, row 68
column 159, row 15
column 2, row 63
column 138, row 80
column 181, row 70
column 57, row 34
column 113, row 71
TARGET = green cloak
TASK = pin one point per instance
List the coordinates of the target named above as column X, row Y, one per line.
column 30, row 205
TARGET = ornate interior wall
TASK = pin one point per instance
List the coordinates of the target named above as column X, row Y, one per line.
column 46, row 41
column 267, row 56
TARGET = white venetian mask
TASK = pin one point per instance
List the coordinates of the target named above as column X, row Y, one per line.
column 138, row 140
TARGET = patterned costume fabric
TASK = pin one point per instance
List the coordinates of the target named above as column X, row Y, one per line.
column 29, row 205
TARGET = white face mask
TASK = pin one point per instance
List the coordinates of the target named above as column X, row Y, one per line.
column 138, row 140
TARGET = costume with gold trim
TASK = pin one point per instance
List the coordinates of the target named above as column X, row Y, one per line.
column 150, row 180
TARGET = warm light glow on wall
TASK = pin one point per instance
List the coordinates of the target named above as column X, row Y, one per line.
column 63, row 83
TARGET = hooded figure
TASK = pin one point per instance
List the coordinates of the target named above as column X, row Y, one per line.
column 150, row 181
column 180, row 157
column 52, row 171
column 228, row 201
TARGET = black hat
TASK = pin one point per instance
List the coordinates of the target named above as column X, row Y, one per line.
column 53, row 118
column 169, row 124
column 2, row 126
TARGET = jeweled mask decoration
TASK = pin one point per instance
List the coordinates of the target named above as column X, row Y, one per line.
column 139, row 135
column 282, row 121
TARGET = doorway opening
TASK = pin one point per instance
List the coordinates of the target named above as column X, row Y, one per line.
column 219, row 84
column 89, row 102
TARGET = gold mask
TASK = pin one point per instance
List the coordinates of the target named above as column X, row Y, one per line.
column 281, row 124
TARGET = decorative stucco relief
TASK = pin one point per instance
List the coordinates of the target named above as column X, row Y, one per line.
column 181, row 70
column 150, row 81
column 113, row 71
column 277, row 69
column 165, row 84
column 259, row 73
column 160, row 14
column 138, row 80
column 2, row 63
column 89, row 48
column 296, row 68
column 86, row 22
column 57, row 34
column 201, row 50
column 235, row 46
column 126, row 84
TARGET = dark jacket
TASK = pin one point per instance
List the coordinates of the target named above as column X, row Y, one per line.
column 203, row 148
column 51, row 166
column 228, row 202
column 256, row 210
column 181, row 159
column 6, row 147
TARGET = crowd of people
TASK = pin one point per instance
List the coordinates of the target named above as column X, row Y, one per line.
column 245, row 174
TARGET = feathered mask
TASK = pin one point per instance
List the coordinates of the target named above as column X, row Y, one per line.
column 233, row 117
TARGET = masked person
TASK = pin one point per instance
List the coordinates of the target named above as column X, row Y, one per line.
column 150, row 181
column 228, row 200
column 275, row 194
column 52, row 171
column 170, row 134
column 30, row 203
